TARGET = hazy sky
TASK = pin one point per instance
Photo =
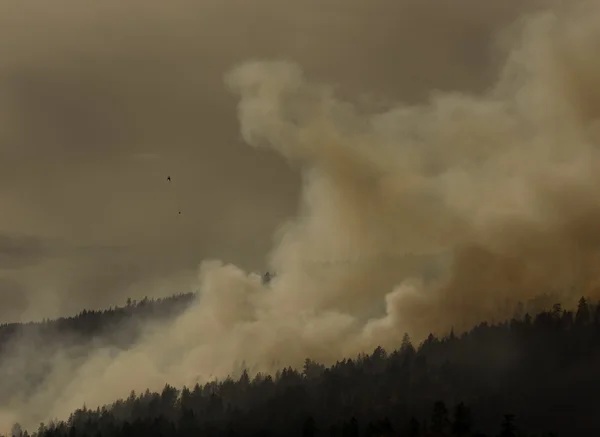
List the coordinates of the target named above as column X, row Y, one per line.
column 474, row 138
column 100, row 101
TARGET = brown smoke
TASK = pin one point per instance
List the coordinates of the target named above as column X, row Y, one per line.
column 414, row 219
column 503, row 181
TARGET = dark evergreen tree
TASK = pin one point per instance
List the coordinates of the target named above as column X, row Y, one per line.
column 439, row 418
column 508, row 428
column 461, row 423
column 309, row 428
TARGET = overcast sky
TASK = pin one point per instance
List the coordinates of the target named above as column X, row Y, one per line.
column 101, row 101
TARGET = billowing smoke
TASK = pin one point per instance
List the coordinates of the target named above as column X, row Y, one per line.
column 414, row 219
column 502, row 183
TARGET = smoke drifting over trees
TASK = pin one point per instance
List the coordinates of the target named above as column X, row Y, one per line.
column 418, row 218
column 521, row 377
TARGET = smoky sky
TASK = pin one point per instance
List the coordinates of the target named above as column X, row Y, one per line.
column 100, row 102
column 437, row 165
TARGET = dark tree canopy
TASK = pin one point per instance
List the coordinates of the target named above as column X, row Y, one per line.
column 530, row 376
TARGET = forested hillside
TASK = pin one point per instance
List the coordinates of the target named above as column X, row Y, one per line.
column 530, row 376
column 28, row 350
column 103, row 325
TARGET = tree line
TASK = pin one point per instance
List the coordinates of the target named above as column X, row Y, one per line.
column 106, row 325
column 529, row 376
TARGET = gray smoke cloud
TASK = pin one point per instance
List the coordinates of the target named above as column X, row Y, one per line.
column 416, row 218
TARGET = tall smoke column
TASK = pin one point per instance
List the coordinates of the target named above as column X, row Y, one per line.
column 504, row 182
column 499, row 188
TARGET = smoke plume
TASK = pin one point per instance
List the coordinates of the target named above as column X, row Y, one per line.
column 415, row 219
